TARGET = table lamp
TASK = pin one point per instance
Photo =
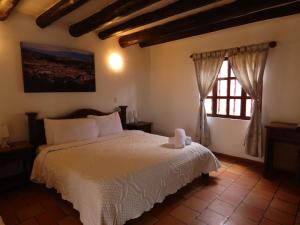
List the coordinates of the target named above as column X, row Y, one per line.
column 4, row 134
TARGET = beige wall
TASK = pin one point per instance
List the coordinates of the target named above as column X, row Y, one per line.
column 126, row 87
column 159, row 82
column 173, row 91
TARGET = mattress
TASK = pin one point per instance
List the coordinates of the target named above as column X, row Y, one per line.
column 115, row 178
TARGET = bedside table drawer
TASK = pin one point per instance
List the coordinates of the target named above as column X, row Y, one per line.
column 8, row 156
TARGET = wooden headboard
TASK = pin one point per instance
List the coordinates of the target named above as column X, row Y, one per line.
column 36, row 125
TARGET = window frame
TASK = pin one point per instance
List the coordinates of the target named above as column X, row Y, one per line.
column 228, row 97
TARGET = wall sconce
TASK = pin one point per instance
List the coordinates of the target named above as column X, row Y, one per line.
column 115, row 62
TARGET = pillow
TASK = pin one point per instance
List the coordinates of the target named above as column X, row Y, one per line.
column 69, row 130
column 109, row 124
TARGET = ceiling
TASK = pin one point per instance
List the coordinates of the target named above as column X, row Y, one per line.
column 149, row 22
column 36, row 7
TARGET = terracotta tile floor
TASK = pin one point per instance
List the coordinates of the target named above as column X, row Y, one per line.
column 236, row 195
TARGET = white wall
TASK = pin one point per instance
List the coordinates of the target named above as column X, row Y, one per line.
column 174, row 98
column 113, row 89
column 158, row 81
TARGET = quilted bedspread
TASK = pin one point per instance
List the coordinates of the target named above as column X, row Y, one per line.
column 112, row 179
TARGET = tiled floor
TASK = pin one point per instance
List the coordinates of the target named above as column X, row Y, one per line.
column 236, row 195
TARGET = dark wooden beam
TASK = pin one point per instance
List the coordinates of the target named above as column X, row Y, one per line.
column 284, row 10
column 6, row 8
column 235, row 14
column 116, row 10
column 167, row 11
column 57, row 11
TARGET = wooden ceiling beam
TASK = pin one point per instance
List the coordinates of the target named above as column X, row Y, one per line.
column 165, row 12
column 116, row 10
column 234, row 14
column 6, row 6
column 57, row 11
column 271, row 13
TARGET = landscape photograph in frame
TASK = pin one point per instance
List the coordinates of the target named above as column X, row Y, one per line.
column 56, row 69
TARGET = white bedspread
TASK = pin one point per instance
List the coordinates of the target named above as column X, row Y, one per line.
column 116, row 178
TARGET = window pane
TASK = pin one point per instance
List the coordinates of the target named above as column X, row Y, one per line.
column 235, row 107
column 248, row 107
column 210, row 93
column 208, row 105
column 224, row 69
column 222, row 88
column 221, row 106
column 235, row 88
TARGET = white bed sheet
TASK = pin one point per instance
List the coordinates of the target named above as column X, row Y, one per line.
column 116, row 178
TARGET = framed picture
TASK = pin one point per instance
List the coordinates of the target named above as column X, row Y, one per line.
column 56, row 69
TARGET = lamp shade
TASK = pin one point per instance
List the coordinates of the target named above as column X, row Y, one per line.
column 4, row 131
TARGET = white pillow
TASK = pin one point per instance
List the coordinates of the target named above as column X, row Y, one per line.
column 68, row 130
column 109, row 124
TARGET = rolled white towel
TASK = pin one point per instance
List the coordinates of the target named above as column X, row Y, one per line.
column 174, row 143
column 180, row 139
column 179, row 132
column 188, row 140
column 180, row 136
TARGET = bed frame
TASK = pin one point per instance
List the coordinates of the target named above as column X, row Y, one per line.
column 36, row 126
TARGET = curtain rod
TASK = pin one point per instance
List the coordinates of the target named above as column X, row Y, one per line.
column 272, row 44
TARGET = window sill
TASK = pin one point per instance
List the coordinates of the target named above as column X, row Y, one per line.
column 229, row 117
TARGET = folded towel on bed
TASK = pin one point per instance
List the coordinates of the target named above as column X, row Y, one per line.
column 188, row 140
column 174, row 143
column 180, row 139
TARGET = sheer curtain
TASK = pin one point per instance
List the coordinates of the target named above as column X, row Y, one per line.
column 207, row 66
column 248, row 64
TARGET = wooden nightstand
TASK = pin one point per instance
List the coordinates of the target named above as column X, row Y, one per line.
column 280, row 132
column 141, row 125
column 21, row 153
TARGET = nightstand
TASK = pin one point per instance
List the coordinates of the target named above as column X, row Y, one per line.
column 141, row 125
column 18, row 154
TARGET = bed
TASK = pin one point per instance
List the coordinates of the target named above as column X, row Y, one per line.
column 115, row 178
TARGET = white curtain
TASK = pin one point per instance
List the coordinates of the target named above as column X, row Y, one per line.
column 248, row 64
column 207, row 66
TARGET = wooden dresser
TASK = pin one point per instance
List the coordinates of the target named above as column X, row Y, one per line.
column 278, row 132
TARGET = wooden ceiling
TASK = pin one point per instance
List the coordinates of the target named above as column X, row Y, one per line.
column 148, row 22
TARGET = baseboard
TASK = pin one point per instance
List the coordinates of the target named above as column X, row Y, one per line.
column 237, row 159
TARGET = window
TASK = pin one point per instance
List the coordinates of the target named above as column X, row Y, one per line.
column 228, row 99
